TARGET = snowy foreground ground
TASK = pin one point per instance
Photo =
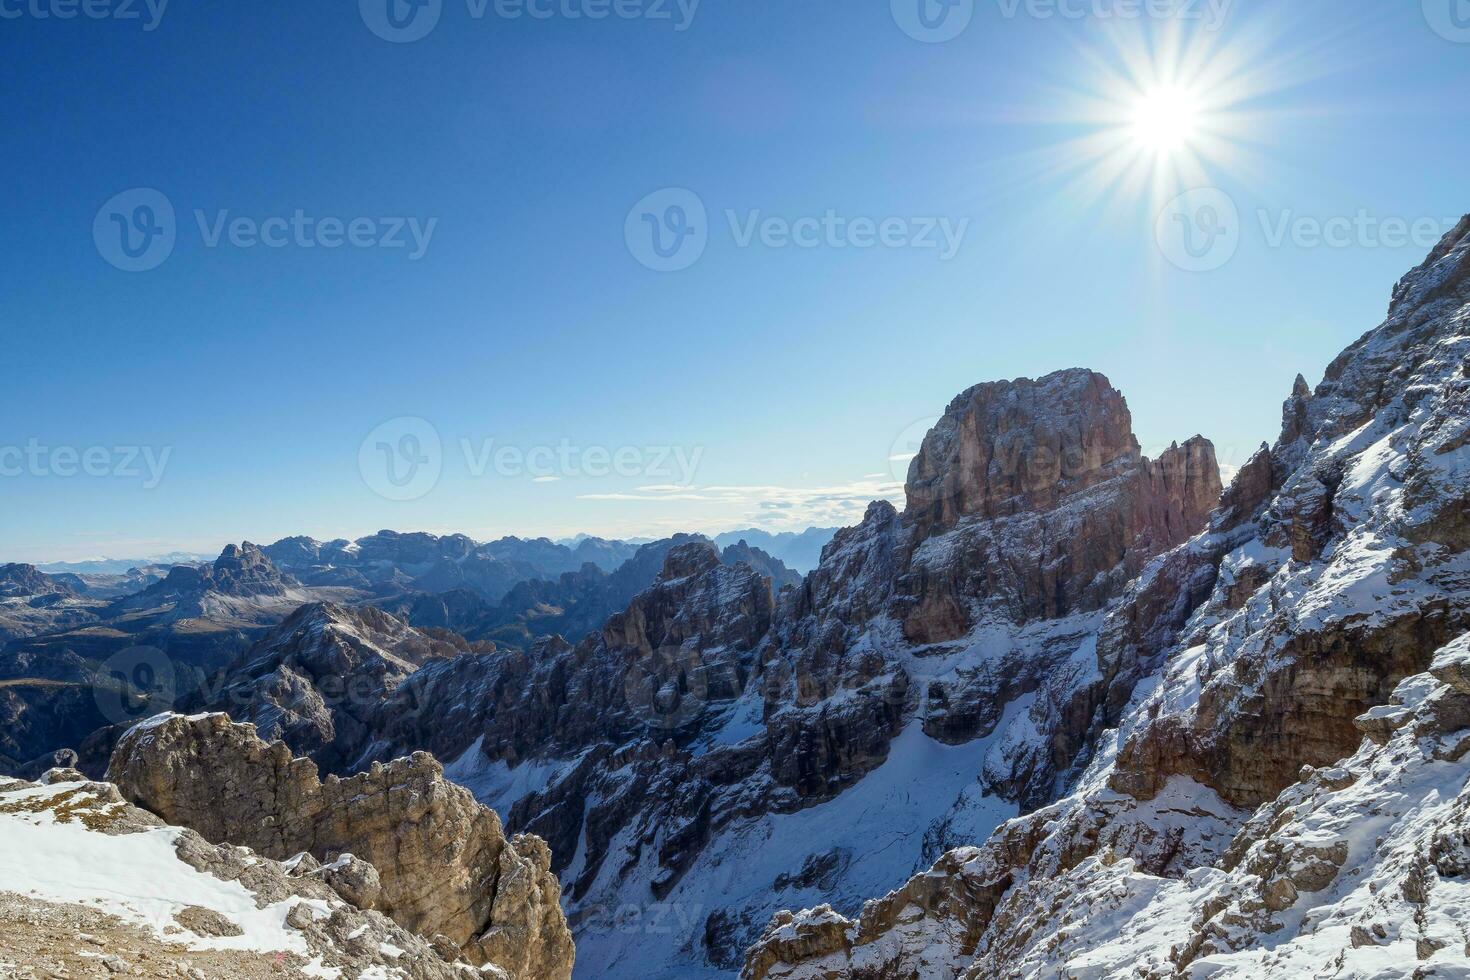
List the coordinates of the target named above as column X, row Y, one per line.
column 93, row 887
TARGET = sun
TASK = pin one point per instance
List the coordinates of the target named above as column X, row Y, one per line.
column 1137, row 114
column 1164, row 120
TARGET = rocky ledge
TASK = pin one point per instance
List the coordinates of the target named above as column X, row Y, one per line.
column 97, row 887
column 398, row 838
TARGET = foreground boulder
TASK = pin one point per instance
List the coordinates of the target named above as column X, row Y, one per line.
column 440, row 864
column 91, row 886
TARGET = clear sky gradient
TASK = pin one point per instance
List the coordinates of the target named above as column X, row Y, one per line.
column 783, row 377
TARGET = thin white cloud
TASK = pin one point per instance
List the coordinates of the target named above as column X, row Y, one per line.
column 776, row 507
column 656, row 498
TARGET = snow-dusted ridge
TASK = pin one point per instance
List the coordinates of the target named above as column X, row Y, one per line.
column 1235, row 822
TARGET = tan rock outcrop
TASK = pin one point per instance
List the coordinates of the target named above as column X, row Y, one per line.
column 43, row 934
column 443, row 864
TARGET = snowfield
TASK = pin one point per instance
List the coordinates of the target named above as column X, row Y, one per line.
column 48, row 851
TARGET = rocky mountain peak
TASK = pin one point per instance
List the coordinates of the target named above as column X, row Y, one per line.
column 1004, row 447
column 1295, row 422
column 314, row 680
column 241, row 572
column 689, row 559
column 743, row 553
column 245, row 565
column 1030, row 499
column 298, row 549
column 1444, row 274
column 1284, row 662
column 19, row 580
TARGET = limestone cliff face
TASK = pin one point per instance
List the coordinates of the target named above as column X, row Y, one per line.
column 1326, row 602
column 314, row 681
column 1005, row 447
column 656, row 750
column 1031, row 500
column 436, row 861
column 652, row 669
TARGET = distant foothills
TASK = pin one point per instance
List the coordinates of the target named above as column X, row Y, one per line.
column 798, row 550
column 64, row 625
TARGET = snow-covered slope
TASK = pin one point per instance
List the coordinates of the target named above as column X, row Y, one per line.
column 1334, row 569
column 716, row 752
column 1358, row 870
column 74, row 854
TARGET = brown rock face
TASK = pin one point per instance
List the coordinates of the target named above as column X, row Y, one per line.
column 1031, row 500
column 344, row 937
column 1010, row 446
column 1259, row 725
column 443, row 864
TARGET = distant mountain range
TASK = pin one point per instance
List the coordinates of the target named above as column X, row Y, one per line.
column 798, row 550
column 121, row 566
column 64, row 633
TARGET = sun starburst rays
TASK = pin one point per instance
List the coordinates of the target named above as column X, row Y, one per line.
column 1142, row 115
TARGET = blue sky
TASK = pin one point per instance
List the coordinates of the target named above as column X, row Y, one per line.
column 765, row 383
